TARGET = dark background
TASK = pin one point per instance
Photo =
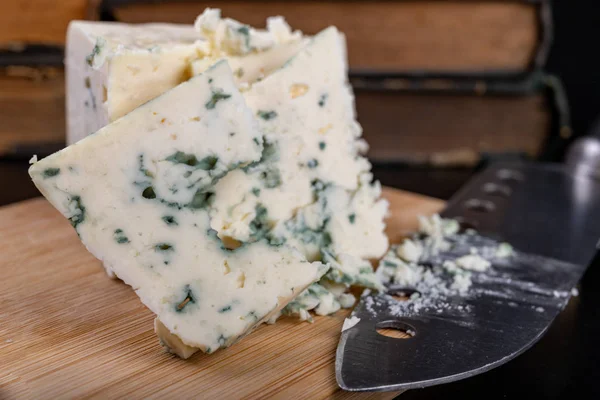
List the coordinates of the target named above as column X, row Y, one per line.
column 574, row 57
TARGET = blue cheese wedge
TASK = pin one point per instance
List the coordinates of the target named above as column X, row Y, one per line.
column 112, row 68
column 312, row 187
column 137, row 193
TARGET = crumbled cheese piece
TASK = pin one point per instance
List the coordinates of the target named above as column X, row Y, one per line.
column 409, row 251
column 208, row 21
column 281, row 31
column 434, row 225
column 346, row 300
column 234, row 38
column 33, row 159
column 437, row 230
column 433, row 276
column 327, row 304
column 349, row 270
column 451, row 267
column 462, row 283
column 473, row 262
column 504, row 250
column 350, row 322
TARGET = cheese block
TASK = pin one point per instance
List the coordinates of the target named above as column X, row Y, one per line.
column 137, row 193
column 297, row 88
column 113, row 68
column 312, row 187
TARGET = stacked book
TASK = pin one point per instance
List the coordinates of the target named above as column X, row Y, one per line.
column 439, row 85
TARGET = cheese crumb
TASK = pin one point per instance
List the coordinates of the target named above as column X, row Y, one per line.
column 473, row 262
column 504, row 250
column 346, row 300
column 33, row 159
column 461, row 283
column 350, row 322
column 410, row 251
column 208, row 21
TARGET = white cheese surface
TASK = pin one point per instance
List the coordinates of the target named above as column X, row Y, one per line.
column 473, row 262
column 312, row 188
column 306, row 111
column 111, row 68
column 253, row 66
column 232, row 37
column 136, row 192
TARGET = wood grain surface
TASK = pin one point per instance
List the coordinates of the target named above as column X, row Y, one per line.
column 68, row 331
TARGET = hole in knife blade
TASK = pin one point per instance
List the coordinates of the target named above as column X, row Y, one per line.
column 400, row 293
column 494, row 189
column 480, row 205
column 396, row 329
column 509, row 175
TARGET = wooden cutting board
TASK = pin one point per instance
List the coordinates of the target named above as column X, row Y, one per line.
column 68, row 331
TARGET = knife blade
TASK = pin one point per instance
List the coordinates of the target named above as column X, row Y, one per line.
column 550, row 216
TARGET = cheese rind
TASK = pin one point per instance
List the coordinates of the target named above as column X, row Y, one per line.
column 137, row 193
column 112, row 68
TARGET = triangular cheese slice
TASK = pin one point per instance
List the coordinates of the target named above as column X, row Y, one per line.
column 137, row 193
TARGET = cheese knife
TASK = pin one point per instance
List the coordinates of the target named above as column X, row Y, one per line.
column 550, row 214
